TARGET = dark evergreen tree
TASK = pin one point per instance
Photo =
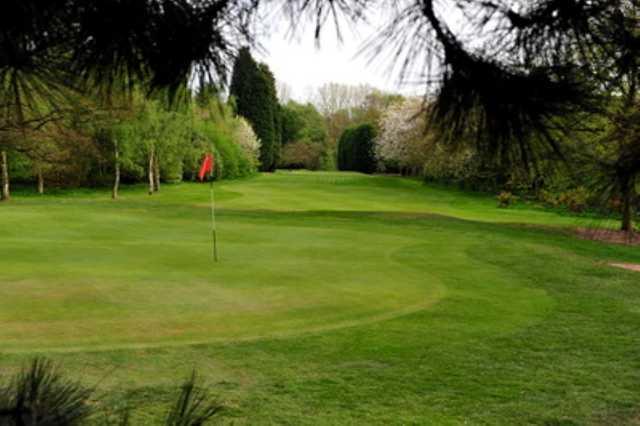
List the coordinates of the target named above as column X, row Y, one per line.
column 273, row 104
column 253, row 87
column 356, row 149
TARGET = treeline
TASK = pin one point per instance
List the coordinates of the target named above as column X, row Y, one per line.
column 398, row 139
column 142, row 136
column 292, row 135
column 136, row 136
column 135, row 139
column 297, row 135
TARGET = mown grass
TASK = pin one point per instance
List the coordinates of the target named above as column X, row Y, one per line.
column 339, row 299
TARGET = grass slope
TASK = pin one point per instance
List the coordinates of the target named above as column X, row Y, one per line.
column 340, row 298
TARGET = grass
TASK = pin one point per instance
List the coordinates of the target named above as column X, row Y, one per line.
column 339, row 299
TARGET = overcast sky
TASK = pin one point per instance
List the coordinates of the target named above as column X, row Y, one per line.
column 304, row 66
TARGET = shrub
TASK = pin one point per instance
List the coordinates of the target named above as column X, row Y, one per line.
column 548, row 197
column 231, row 159
column 248, row 141
column 356, row 149
column 575, row 199
column 40, row 395
column 506, row 199
column 303, row 154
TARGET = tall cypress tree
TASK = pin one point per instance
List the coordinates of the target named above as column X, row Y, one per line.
column 270, row 82
column 253, row 87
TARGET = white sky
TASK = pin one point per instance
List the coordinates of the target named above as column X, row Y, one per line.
column 302, row 65
column 298, row 62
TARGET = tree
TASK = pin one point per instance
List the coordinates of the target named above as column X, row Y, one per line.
column 248, row 140
column 160, row 134
column 515, row 76
column 534, row 70
column 117, row 109
column 4, row 169
column 333, row 97
column 304, row 137
column 611, row 160
column 402, row 141
column 285, row 92
column 302, row 154
column 253, row 88
column 55, row 48
column 356, row 149
column 302, row 121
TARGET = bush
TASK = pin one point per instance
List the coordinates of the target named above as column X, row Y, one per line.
column 506, row 199
column 356, row 149
column 575, row 199
column 303, row 154
column 40, row 395
column 232, row 161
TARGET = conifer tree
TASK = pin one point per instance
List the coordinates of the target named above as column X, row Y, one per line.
column 253, row 87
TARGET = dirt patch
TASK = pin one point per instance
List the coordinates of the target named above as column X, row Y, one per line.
column 609, row 236
column 627, row 266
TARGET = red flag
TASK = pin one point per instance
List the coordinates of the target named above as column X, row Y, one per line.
column 206, row 167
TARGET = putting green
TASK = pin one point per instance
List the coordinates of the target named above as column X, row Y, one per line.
column 89, row 273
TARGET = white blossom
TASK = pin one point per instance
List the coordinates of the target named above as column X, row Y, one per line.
column 247, row 139
column 402, row 140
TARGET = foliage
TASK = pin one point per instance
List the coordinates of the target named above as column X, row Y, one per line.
column 518, row 91
column 346, row 106
column 615, row 158
column 402, row 142
column 231, row 159
column 333, row 97
column 110, row 44
column 356, row 149
column 40, row 395
column 302, row 154
column 302, row 121
column 194, row 406
column 247, row 139
column 74, row 155
column 304, row 137
column 575, row 200
column 253, row 89
column 506, row 199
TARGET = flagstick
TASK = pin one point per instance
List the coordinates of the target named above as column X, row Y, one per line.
column 213, row 218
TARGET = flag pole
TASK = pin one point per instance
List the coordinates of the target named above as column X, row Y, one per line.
column 213, row 216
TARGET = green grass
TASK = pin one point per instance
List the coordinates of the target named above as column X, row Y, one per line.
column 339, row 299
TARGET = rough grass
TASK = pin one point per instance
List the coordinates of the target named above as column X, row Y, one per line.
column 339, row 298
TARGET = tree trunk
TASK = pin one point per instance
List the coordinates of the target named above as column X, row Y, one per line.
column 4, row 169
column 151, row 177
column 156, row 173
column 116, row 164
column 40, row 181
column 627, row 208
column 627, row 214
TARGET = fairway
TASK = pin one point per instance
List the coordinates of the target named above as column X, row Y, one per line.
column 338, row 298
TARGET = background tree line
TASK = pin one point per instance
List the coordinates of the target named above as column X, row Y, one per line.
column 520, row 93
column 138, row 140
